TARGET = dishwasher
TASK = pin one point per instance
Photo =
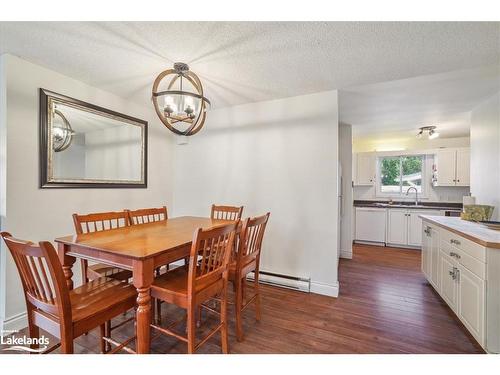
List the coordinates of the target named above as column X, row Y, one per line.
column 371, row 225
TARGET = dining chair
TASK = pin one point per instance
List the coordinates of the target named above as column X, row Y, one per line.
column 205, row 277
column 97, row 222
column 247, row 259
column 145, row 216
column 226, row 212
column 66, row 314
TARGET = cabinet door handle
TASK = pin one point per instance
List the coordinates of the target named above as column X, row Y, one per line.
column 455, row 242
column 455, row 255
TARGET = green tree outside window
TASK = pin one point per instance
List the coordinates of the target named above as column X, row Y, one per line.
column 398, row 173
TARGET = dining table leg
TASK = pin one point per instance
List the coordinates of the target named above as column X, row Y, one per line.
column 143, row 278
column 67, row 262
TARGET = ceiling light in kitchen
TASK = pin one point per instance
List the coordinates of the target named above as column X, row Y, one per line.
column 429, row 130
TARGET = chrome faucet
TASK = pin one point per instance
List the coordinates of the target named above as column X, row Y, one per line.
column 416, row 194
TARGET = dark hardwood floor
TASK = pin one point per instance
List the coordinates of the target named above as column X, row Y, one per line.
column 385, row 306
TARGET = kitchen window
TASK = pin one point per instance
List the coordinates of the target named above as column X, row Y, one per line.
column 395, row 174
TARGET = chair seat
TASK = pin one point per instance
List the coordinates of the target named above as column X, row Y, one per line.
column 101, row 269
column 173, row 282
column 100, row 295
column 172, row 287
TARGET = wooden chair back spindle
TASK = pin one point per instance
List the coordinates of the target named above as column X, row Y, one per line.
column 97, row 222
column 226, row 212
column 250, row 239
column 41, row 275
column 210, row 254
column 147, row 215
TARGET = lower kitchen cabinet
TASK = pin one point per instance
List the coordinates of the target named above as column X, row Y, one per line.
column 426, row 251
column 430, row 254
column 448, row 286
column 471, row 291
column 461, row 278
column 397, row 226
column 404, row 226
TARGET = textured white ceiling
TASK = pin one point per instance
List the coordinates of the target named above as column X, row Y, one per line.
column 242, row 62
column 398, row 108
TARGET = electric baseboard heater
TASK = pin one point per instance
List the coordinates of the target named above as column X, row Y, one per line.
column 284, row 281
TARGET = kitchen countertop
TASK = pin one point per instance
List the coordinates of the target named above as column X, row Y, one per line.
column 407, row 204
column 468, row 229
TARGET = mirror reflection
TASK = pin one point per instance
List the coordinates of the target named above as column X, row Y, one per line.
column 88, row 145
column 93, row 147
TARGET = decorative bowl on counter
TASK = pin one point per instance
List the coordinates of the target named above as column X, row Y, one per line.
column 477, row 212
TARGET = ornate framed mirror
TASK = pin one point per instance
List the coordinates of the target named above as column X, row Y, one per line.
column 86, row 146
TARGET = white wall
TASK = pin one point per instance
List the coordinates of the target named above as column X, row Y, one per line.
column 279, row 156
column 413, row 143
column 3, row 180
column 485, row 153
column 434, row 193
column 43, row 214
column 346, row 213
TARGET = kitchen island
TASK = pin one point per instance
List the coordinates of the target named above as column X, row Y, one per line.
column 461, row 260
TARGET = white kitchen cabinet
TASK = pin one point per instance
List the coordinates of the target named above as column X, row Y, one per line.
column 430, row 254
column 397, row 226
column 370, row 224
column 426, row 251
column 414, row 228
column 471, row 290
column 448, row 287
column 415, row 225
column 463, row 167
column 465, row 270
column 365, row 169
column 404, row 226
column 434, row 255
column 453, row 167
column 446, row 160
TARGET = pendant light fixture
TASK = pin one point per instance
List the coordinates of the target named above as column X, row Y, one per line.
column 431, row 130
column 178, row 100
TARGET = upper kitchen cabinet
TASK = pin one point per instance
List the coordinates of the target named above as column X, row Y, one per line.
column 463, row 167
column 452, row 167
column 364, row 174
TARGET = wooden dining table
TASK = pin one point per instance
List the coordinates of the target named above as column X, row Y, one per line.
column 139, row 248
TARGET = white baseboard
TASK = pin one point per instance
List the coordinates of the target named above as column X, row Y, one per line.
column 331, row 290
column 15, row 323
column 346, row 254
column 382, row 244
